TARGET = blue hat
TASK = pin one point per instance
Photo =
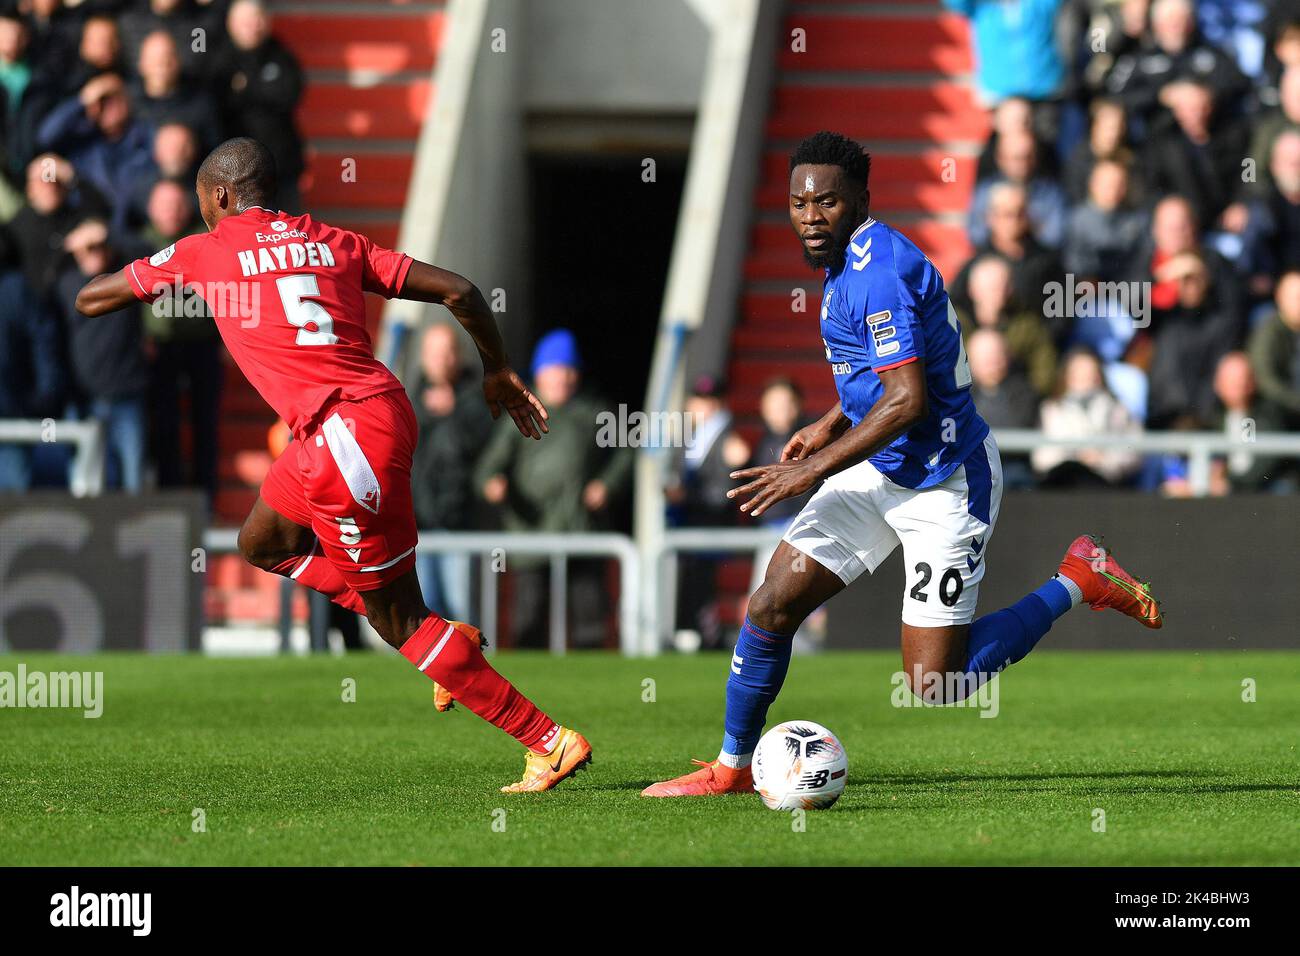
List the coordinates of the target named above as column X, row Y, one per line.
column 558, row 347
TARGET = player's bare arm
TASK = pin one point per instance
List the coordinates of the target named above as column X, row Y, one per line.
column 902, row 405
column 502, row 387
column 813, row 438
column 104, row 294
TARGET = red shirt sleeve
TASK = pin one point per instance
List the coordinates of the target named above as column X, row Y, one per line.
column 383, row 270
column 161, row 272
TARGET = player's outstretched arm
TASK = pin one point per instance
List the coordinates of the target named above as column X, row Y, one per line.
column 502, row 388
column 105, row 293
column 901, row 406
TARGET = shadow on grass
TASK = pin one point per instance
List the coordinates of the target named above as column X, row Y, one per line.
column 1192, row 781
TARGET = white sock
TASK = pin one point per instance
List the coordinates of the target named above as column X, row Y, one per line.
column 1076, row 596
column 736, row 761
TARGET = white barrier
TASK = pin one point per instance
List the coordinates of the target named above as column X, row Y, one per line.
column 87, row 477
column 558, row 547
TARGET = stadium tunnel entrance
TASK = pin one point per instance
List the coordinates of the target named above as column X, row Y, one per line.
column 604, row 280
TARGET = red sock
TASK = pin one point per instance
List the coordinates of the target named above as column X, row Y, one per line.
column 456, row 663
column 316, row 572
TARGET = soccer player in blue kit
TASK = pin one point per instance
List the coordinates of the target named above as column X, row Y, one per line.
column 903, row 458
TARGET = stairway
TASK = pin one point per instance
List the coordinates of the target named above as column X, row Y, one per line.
column 368, row 68
column 892, row 75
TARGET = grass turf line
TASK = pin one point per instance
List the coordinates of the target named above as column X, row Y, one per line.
column 289, row 774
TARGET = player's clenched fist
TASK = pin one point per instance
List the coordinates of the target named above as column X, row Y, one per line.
column 505, row 391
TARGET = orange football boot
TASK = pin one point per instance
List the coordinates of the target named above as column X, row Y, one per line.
column 712, row 780
column 543, row 771
column 1105, row 584
column 442, row 699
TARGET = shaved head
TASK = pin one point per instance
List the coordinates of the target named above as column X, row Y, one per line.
column 245, row 167
column 237, row 175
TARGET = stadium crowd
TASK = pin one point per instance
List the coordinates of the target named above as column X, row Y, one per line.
column 106, row 109
column 1136, row 225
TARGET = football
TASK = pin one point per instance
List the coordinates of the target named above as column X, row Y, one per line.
column 799, row 765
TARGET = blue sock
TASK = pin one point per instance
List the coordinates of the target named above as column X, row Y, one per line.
column 758, row 670
column 1004, row 637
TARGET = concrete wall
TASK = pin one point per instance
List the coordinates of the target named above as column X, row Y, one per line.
column 613, row 56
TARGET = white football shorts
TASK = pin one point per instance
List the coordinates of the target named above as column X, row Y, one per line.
column 858, row 516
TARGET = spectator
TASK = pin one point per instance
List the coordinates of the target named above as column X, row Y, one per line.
column 1187, row 343
column 17, row 142
column 176, row 152
column 1012, row 117
column 1243, row 415
column 1107, row 140
column 454, row 427
column 698, row 498
column 1271, row 124
column 1176, row 52
column 185, row 352
column 178, row 21
column 99, row 51
column 1084, row 408
column 55, row 33
column 1275, row 355
column 1015, row 47
column 1282, row 50
column 176, row 157
column 781, row 409
column 1271, row 240
column 1017, row 164
column 1173, row 233
column 1117, row 28
column 1002, row 394
column 32, row 377
column 567, row 483
column 1033, row 265
column 160, row 97
column 260, row 83
column 699, row 492
column 56, row 201
column 992, row 305
column 106, row 144
column 1104, row 234
column 1199, row 155
column 109, row 371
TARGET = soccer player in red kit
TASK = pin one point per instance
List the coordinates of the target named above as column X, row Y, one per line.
column 335, row 511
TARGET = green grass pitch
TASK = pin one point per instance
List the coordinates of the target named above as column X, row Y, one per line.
column 286, row 772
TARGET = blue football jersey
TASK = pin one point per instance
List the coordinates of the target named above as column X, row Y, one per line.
column 886, row 307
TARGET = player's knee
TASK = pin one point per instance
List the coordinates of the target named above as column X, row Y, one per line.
column 771, row 611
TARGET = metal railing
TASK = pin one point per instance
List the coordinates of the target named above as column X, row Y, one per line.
column 491, row 547
column 663, row 566
column 87, row 475
column 1199, row 447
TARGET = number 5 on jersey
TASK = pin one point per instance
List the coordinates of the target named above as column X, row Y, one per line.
column 296, row 294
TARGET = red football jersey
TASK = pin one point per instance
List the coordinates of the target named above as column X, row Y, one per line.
column 286, row 293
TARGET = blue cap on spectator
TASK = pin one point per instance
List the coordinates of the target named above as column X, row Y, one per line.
column 558, row 347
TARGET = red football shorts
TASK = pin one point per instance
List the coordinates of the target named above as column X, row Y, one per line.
column 349, row 480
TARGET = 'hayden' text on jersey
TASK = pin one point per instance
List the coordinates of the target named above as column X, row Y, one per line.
column 293, row 312
column 884, row 308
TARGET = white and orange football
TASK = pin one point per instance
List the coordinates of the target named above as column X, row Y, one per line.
column 799, row 765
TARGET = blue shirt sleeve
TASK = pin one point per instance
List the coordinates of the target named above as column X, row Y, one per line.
column 890, row 328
